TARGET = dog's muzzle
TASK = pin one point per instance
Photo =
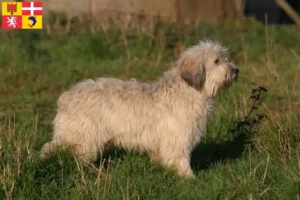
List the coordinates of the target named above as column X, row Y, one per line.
column 235, row 73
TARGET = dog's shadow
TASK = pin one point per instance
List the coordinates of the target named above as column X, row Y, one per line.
column 203, row 157
column 207, row 155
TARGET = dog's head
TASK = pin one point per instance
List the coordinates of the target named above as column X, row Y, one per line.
column 207, row 67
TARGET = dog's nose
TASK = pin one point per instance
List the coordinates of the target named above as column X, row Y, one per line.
column 236, row 71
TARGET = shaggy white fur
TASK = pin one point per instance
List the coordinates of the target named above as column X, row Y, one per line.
column 164, row 119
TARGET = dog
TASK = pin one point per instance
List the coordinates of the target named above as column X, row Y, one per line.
column 164, row 119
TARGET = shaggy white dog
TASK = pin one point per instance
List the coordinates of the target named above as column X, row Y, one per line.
column 165, row 119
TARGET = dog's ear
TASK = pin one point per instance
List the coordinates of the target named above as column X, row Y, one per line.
column 192, row 70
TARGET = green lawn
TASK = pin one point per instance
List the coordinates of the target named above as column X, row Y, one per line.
column 35, row 67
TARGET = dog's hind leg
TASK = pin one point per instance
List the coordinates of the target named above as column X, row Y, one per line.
column 50, row 148
column 77, row 132
column 88, row 153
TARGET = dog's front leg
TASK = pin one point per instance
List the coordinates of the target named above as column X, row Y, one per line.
column 184, row 168
column 178, row 161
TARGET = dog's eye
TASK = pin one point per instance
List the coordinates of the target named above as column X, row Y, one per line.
column 217, row 61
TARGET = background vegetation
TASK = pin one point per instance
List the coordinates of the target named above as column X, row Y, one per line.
column 36, row 66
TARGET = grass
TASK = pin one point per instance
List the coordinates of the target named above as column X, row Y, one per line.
column 36, row 67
